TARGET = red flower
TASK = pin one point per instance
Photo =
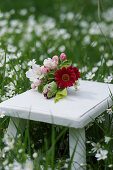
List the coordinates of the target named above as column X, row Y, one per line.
column 76, row 71
column 65, row 77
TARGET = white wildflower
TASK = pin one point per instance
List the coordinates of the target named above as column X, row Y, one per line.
column 28, row 165
column 5, row 162
column 11, row 48
column 20, row 150
column 1, row 65
column 31, row 63
column 1, row 115
column 100, row 119
column 2, row 153
column 90, row 76
column 23, row 12
column 94, row 43
column 108, row 79
column 62, row 48
column 35, row 155
column 107, row 139
column 8, row 140
column 96, row 147
column 109, row 111
column 70, row 15
column 110, row 165
column 109, row 63
column 94, row 69
column 101, row 155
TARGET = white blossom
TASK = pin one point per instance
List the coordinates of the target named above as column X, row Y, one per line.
column 107, row 139
column 1, row 115
column 101, row 155
column 90, row 76
column 109, row 111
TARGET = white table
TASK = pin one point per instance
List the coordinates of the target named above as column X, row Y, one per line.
column 75, row 111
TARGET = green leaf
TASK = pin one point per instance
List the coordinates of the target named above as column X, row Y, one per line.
column 40, row 88
column 65, row 63
column 60, row 95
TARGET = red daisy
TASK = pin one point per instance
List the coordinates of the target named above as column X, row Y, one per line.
column 76, row 71
column 65, row 77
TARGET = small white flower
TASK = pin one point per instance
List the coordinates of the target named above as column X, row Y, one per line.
column 20, row 150
column 106, row 55
column 101, row 48
column 62, row 48
column 1, row 115
column 70, row 15
column 11, row 48
column 108, row 79
column 1, row 65
column 17, row 166
column 110, row 165
column 2, row 53
column 8, row 141
column 84, row 69
column 94, row 43
column 109, row 111
column 19, row 54
column 17, row 67
column 28, row 165
column 35, row 155
column 2, row 153
column 107, row 139
column 31, row 63
column 94, row 69
column 5, row 162
column 109, row 63
column 101, row 155
column 86, row 40
column 96, row 147
column 90, row 76
column 23, row 12
column 100, row 119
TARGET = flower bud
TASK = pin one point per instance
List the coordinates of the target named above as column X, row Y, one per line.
column 63, row 57
column 50, row 90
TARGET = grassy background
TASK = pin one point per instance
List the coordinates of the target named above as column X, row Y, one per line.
column 83, row 55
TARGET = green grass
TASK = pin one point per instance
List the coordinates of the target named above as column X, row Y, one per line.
column 89, row 46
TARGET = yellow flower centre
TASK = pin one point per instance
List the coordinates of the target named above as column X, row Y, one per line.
column 38, row 73
column 65, row 77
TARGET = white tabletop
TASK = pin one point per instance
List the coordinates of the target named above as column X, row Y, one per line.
column 76, row 110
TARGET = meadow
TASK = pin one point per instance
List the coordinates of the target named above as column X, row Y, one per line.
column 32, row 31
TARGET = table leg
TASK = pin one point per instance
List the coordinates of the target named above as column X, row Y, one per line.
column 16, row 125
column 77, row 148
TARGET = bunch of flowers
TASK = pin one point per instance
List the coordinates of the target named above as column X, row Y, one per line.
column 53, row 77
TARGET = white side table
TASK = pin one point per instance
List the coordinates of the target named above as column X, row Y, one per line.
column 75, row 112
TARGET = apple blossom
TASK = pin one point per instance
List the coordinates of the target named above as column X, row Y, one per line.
column 43, row 69
column 55, row 59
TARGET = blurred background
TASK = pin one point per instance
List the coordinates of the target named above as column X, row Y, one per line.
column 35, row 29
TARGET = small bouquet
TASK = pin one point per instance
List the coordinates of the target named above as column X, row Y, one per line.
column 53, row 77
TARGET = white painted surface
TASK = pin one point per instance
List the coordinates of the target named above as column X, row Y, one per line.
column 77, row 148
column 76, row 110
column 16, row 126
